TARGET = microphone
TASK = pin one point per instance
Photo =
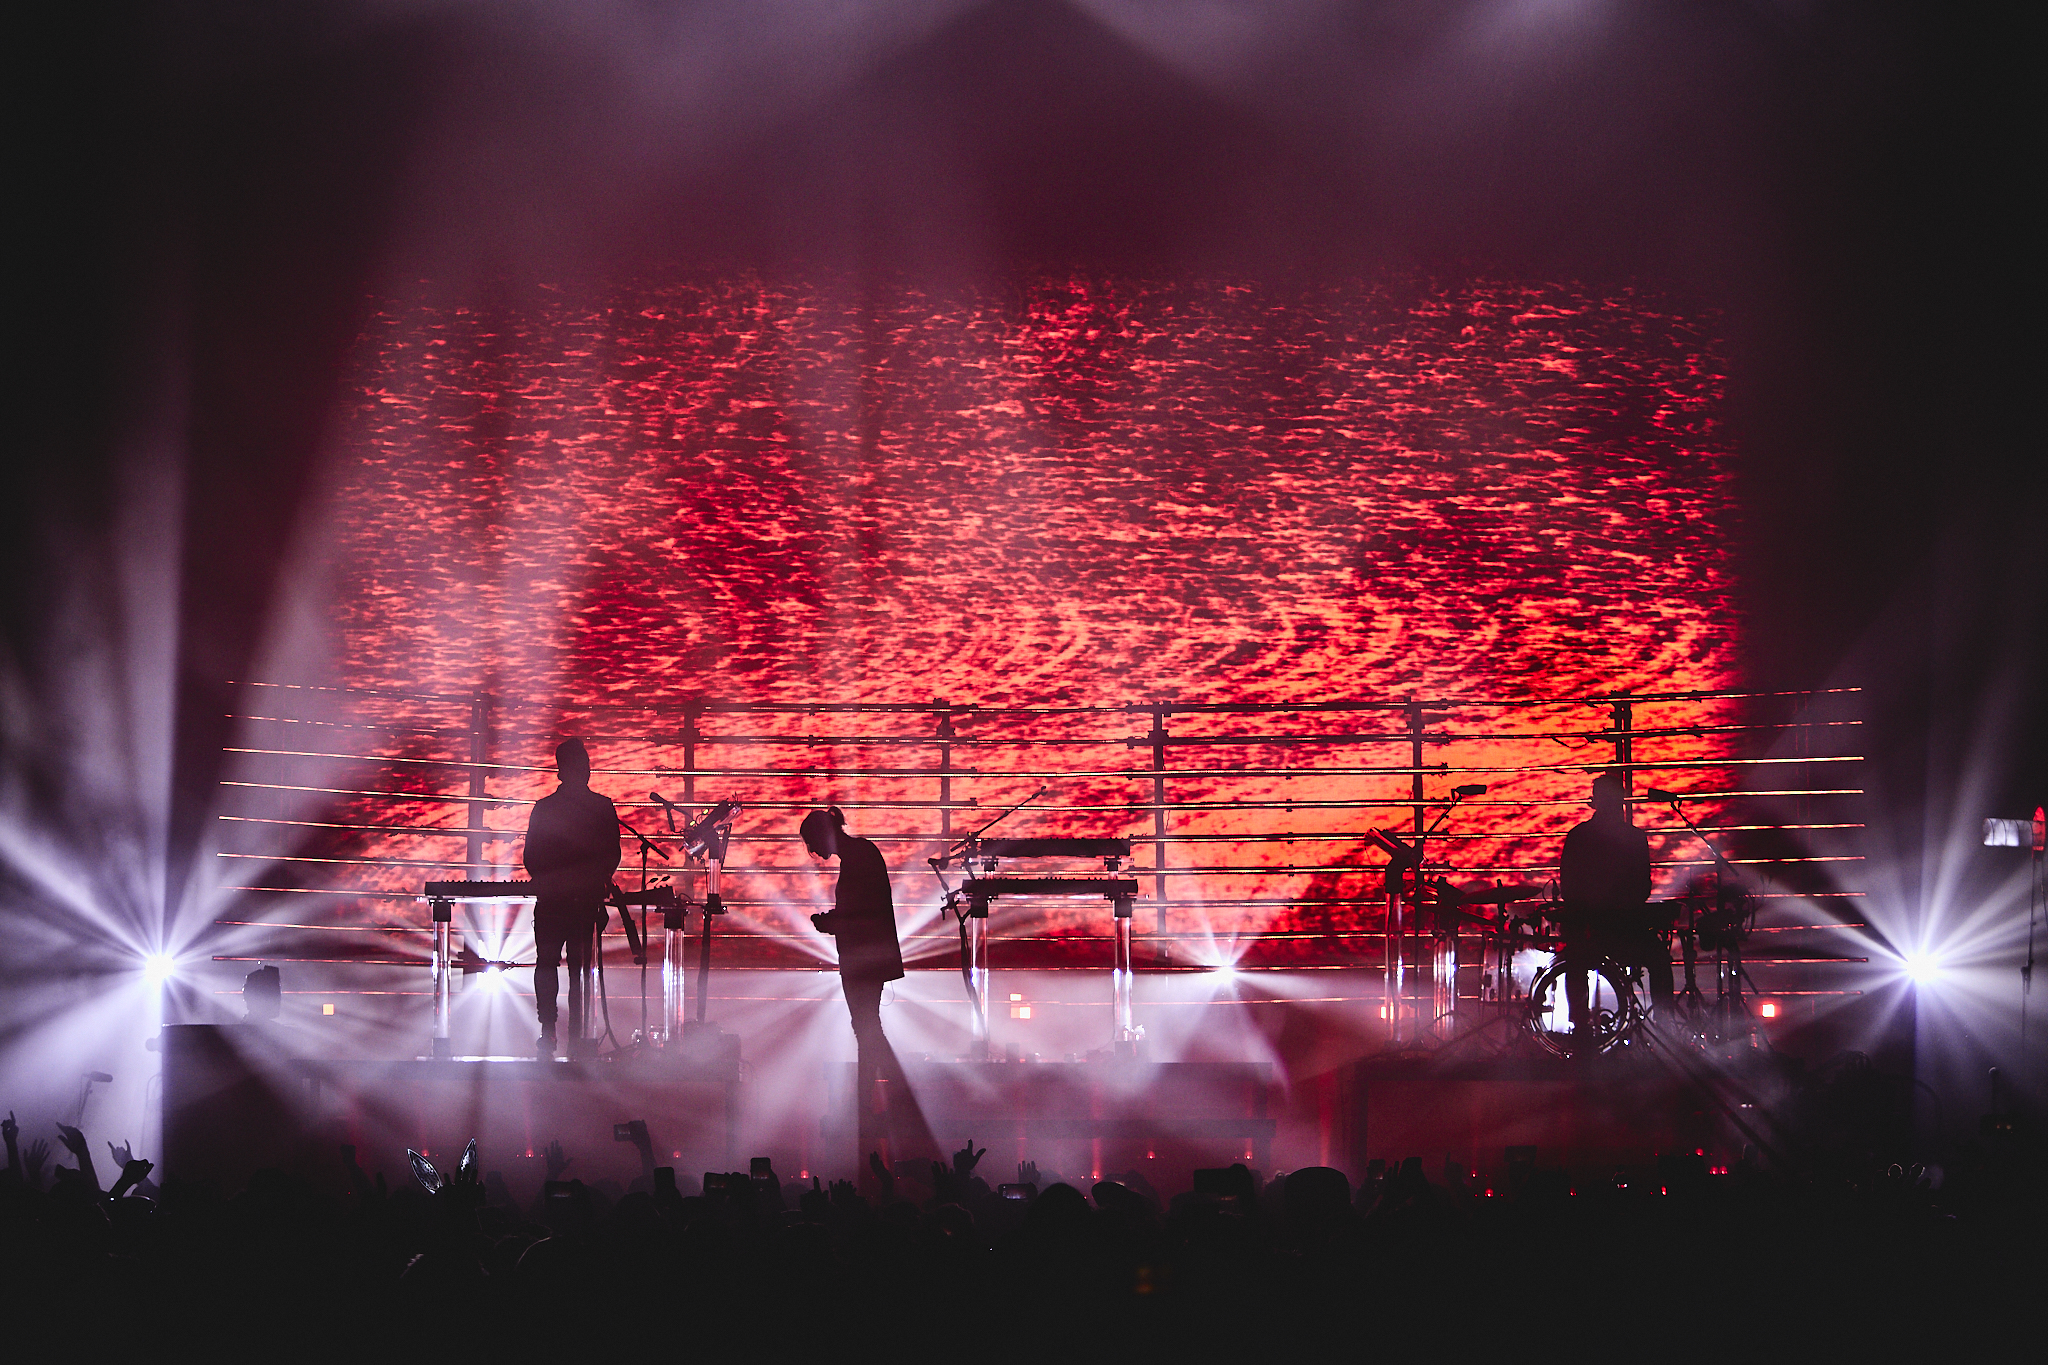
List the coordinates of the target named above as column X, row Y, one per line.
column 1659, row 794
column 668, row 810
column 1470, row 789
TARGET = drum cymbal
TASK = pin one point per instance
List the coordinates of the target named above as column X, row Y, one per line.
column 1499, row 895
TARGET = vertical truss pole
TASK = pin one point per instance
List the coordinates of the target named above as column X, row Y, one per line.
column 977, row 973
column 693, row 734
column 1158, row 742
column 1402, row 919
column 444, row 914
column 946, row 734
column 1625, row 745
column 478, row 815
column 479, row 754
column 675, row 973
column 1123, row 1032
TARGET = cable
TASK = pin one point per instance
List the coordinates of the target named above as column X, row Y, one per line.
column 604, row 998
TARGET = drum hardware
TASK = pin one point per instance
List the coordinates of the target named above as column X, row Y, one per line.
column 1718, row 923
column 1409, row 894
column 1499, row 895
column 1614, row 1008
column 707, row 838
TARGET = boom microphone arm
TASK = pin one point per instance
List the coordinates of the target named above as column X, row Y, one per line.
column 1675, row 800
column 967, row 841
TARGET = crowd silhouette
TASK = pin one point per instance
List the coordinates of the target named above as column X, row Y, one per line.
column 934, row 1258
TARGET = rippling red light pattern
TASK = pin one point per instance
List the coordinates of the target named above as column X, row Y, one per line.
column 1084, row 489
column 1075, row 489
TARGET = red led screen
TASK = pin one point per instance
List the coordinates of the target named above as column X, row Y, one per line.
column 1088, row 491
column 1082, row 489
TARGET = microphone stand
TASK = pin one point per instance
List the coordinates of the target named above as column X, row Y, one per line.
column 973, row 923
column 638, row 943
column 675, row 937
column 714, row 906
column 967, row 842
column 1405, row 872
column 1730, row 973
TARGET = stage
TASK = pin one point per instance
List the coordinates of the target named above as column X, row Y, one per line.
column 234, row 1102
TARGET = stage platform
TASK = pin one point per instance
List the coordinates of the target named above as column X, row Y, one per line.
column 1092, row 1119
column 1590, row 1117
column 236, row 1099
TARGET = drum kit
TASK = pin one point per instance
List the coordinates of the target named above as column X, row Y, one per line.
column 1525, row 970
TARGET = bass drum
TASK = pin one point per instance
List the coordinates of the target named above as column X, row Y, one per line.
column 1612, row 1011
column 1526, row 966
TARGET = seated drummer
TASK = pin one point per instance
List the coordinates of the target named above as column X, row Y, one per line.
column 1605, row 884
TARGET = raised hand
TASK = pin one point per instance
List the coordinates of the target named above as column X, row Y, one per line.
column 121, row 1154
column 557, row 1160
column 965, row 1158
column 75, row 1143
column 133, row 1173
column 32, row 1161
column 9, row 1129
column 1027, row 1173
column 358, row 1178
column 883, row 1174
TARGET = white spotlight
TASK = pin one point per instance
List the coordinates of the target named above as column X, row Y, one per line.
column 158, row 967
column 1922, row 969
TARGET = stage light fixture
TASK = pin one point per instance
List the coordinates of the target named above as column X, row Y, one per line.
column 1768, row 1009
column 1922, row 969
column 158, row 968
column 2028, row 834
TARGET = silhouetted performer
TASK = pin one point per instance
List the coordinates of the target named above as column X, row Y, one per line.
column 1605, row 882
column 572, row 849
column 863, row 919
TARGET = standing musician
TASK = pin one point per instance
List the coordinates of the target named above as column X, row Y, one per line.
column 1605, row 884
column 572, row 849
column 863, row 919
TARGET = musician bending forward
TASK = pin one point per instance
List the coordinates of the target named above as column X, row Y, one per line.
column 572, row 849
column 1605, row 885
column 863, row 920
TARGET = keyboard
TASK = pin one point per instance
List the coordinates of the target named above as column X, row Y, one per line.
column 990, row 887
column 1053, row 848
column 478, row 891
